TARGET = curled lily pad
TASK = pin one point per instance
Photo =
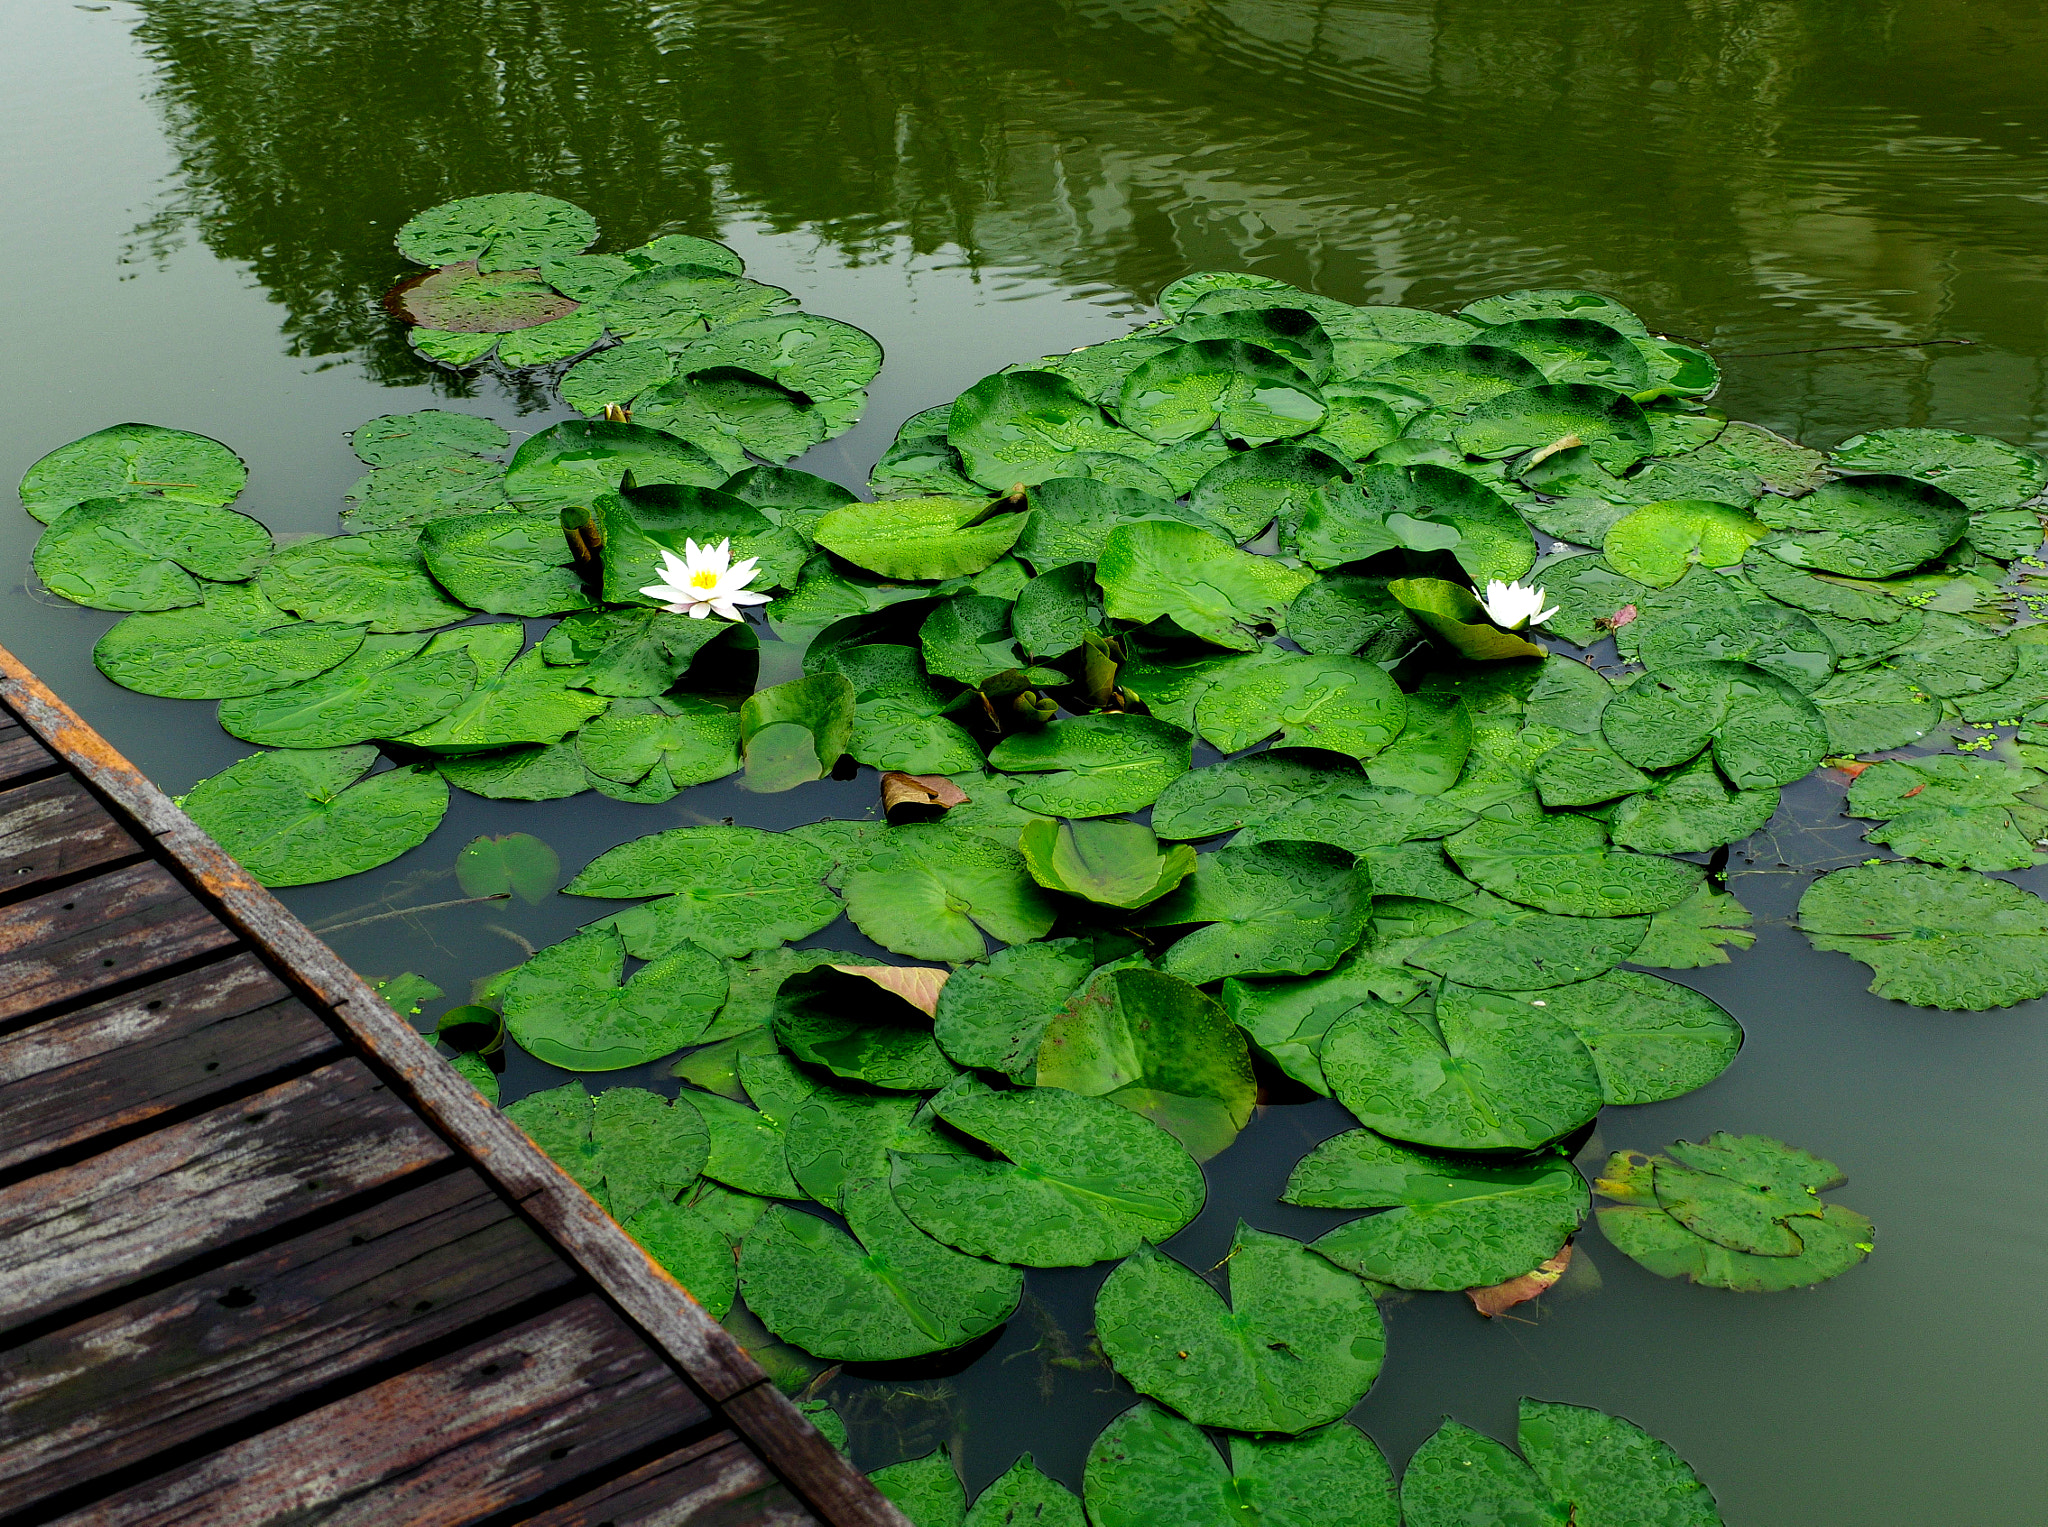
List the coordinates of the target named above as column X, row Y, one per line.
column 1763, row 731
column 1078, row 1180
column 1092, row 766
column 1271, row 909
column 378, row 578
column 299, row 817
column 502, row 231
column 1453, row 615
column 929, row 893
column 1659, row 543
column 1450, row 1222
column 1117, row 864
column 994, row 1014
column 1564, row 864
column 731, row 889
column 146, row 553
column 1150, row 1466
column 1933, row 937
column 566, row 1006
column 1298, row 1345
column 892, row 1293
column 832, row 1017
column 1523, row 1078
column 236, row 643
column 1610, row 424
column 627, row 1147
column 386, row 688
column 1158, row 1046
column 133, row 460
column 1207, row 587
column 1252, row 393
column 391, row 439
column 793, row 733
column 920, row 537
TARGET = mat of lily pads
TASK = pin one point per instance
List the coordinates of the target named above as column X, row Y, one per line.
column 1218, row 761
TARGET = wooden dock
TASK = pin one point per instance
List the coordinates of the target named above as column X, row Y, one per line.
column 264, row 1258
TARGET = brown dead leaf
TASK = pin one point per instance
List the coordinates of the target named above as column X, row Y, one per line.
column 1852, row 767
column 1561, row 443
column 913, row 983
column 1505, row 1296
column 1912, row 792
column 922, row 796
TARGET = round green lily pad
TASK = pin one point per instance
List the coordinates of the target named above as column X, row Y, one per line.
column 376, row 579
column 133, row 460
column 503, row 231
column 1933, row 937
column 146, row 553
column 296, row 818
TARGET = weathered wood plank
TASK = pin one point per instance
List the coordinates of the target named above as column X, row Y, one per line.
column 121, row 1062
column 797, row 1450
column 68, row 943
column 717, row 1482
column 142, row 1379
column 20, row 753
column 55, row 827
column 231, row 1172
column 552, row 1400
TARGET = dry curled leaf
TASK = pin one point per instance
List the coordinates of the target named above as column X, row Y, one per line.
column 913, row 983
column 922, row 796
column 1505, row 1296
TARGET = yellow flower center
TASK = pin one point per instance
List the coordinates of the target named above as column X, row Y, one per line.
column 704, row 580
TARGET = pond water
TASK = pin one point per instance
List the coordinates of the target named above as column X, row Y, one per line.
column 201, row 195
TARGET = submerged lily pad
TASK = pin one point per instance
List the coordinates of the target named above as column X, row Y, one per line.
column 299, row 817
column 566, row 1006
column 1297, row 1347
column 133, row 460
column 1945, row 938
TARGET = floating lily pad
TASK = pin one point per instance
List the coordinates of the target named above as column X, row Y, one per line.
column 1608, row 1470
column 1150, row 1466
column 147, row 554
column 1760, row 461
column 1460, row 1476
column 1342, row 614
column 793, row 733
column 1953, row 656
column 1553, row 302
column 1292, row 333
column 1340, row 704
column 574, row 463
column 514, row 863
column 1249, row 490
column 697, row 1253
column 391, row 439
column 1765, row 635
column 1092, row 766
column 1023, row 1494
column 1866, row 527
column 548, row 772
column 299, row 817
column 689, row 740
column 1563, row 864
column 1116, row 864
column 518, row 698
column 635, row 652
column 1451, row 1222
column 729, row 413
column 1288, row 1019
column 1967, row 813
column 1763, row 731
column 675, row 304
column 1746, row 1192
column 236, row 643
column 1691, row 812
column 1659, row 543
column 133, row 460
column 1158, row 1046
column 1071, row 518
column 1456, row 376
column 386, row 688
column 1298, row 1346
column 834, row 1017
column 892, row 1293
column 615, row 377
column 1695, row 933
column 463, row 299
column 626, row 1147
column 1207, row 587
column 1271, row 909
column 919, row 537
column 1610, row 424
column 502, row 231
column 1933, row 937
column 1523, row 1077
column 378, row 579
column 1021, row 426
column 1985, row 474
column 994, row 1014
column 817, row 358
column 731, row 889
column 1078, row 1180
column 565, row 1005
column 410, row 493
column 1454, row 616
column 1573, row 350
column 929, row 894
column 1424, row 507
column 1253, row 394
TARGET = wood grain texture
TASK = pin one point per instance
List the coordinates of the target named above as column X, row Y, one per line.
column 54, row 827
column 20, row 753
column 70, row 943
column 231, row 1172
column 153, row 1374
column 798, row 1451
column 717, row 1482
column 552, row 1400
column 121, row 1062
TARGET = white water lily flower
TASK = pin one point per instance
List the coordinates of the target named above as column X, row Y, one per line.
column 704, row 580
column 1511, row 606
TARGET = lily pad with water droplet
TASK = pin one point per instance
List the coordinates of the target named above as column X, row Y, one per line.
column 378, row 579
column 1286, row 908
column 1946, row 938
column 566, row 1006
column 626, row 1147
column 732, row 889
column 1207, row 587
column 300, row 817
column 146, row 553
column 236, row 643
column 133, row 460
column 1150, row 1466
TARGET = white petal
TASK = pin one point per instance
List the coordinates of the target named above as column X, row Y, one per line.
column 1538, row 620
column 747, row 596
column 699, row 610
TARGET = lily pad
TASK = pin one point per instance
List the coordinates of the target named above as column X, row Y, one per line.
column 834, row 1017
column 1297, row 1347
column 1158, row 1046
column 697, row 1253
column 1650, row 1039
column 1456, row 376
column 994, row 1014
column 1207, row 587
column 565, row 1005
column 573, row 464
column 1117, row 864
column 504, row 564
column 550, row 772
column 1691, row 812
column 1292, row 333
column 146, row 554
column 930, row 893
column 892, row 1293
column 731, row 889
column 1610, row 424
column 626, row 1147
column 1866, row 527
column 1609, row 1471
column 1763, row 634
column 635, row 652
column 1150, row 1466
column 1573, row 350
column 615, row 377
column 378, row 579
column 394, row 438
column 514, row 863
column 133, row 460
column 1967, row 813
column 1340, row 704
column 502, row 231
column 463, row 299
column 1933, row 937
column 1071, row 518
column 1251, row 489
column 729, row 413
column 1270, row 909
column 1454, row 616
column 300, row 817
column 1984, row 473
column 1492, row 1072
column 1359, row 818
column 1451, row 1222
column 792, row 733
column 1695, row 933
column 689, row 740
column 1248, row 391
column 1023, row 1494
column 1460, row 1476
column 1659, row 543
column 1953, row 656
column 386, row 688
column 1342, row 614
column 1092, row 766
column 1286, row 1020
column 1749, row 1193
column 236, row 643
column 919, row 537
column 821, row 360
column 1762, row 730
column 517, row 699
column 1424, row 507
column 411, row 493
column 1020, row 427
column 1078, row 1180
column 1563, row 864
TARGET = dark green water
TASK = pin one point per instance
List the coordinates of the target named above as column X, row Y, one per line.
column 200, row 200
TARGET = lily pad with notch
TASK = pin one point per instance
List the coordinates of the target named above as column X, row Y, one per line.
column 1150, row 1466
column 235, row 643
column 141, row 553
column 518, row 698
column 993, row 1014
column 626, row 1147
column 378, row 579
column 1691, row 812
column 501, row 231
column 567, row 1007
column 1281, row 908
column 387, row 687
column 302, row 816
column 930, row 893
column 1763, row 731
column 1249, row 490
column 133, row 460
column 1933, row 937
column 733, row 890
